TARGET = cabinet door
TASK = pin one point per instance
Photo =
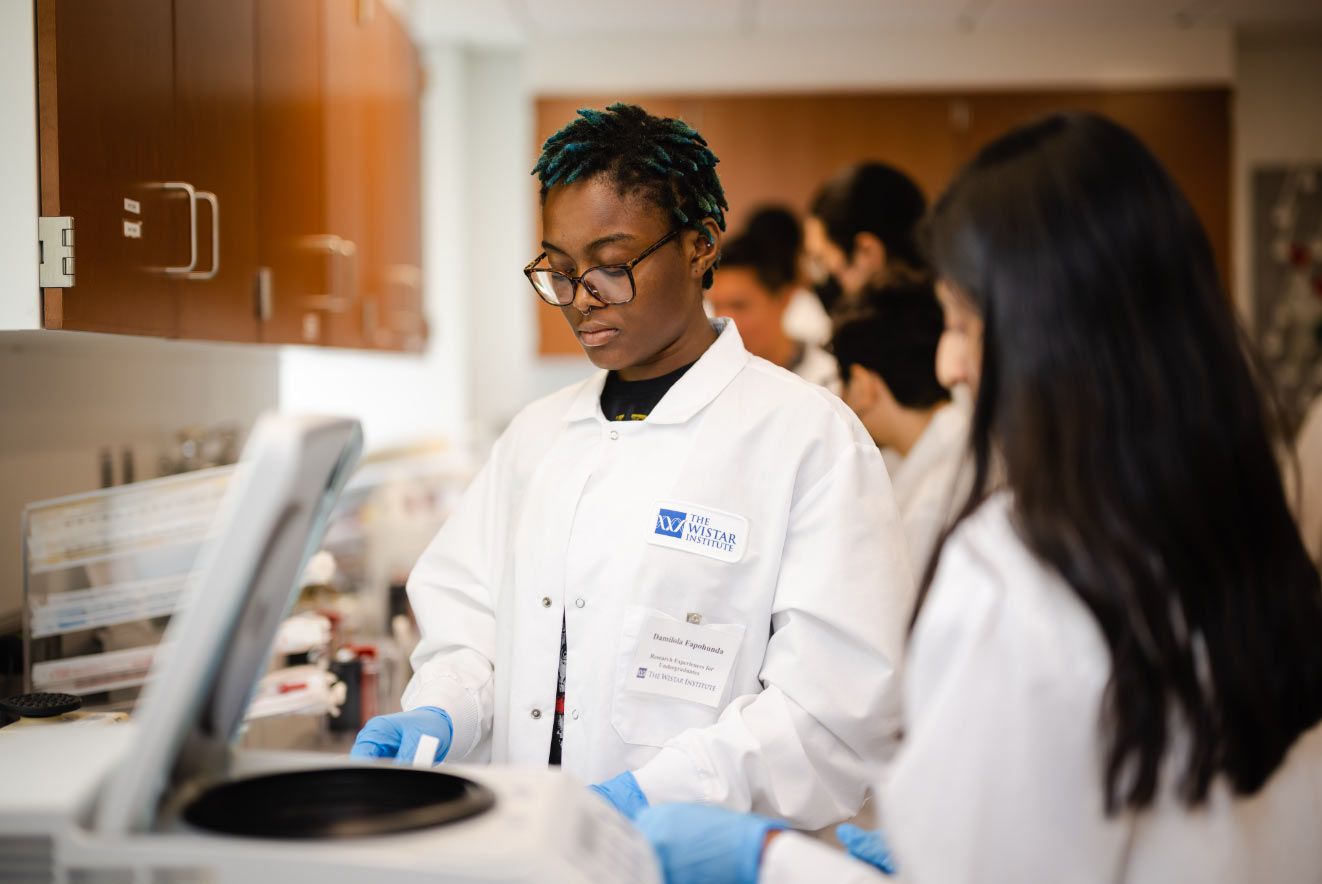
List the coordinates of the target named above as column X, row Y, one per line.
column 347, row 31
column 291, row 213
column 393, row 310
column 215, row 137
column 106, row 90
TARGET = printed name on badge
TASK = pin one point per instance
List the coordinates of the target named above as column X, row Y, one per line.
column 683, row 661
column 700, row 530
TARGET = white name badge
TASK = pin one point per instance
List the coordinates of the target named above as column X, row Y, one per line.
column 700, row 530
column 683, row 661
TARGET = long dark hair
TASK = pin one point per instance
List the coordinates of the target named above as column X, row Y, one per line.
column 1120, row 404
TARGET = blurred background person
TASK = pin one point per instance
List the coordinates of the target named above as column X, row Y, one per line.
column 861, row 233
column 755, row 285
column 886, row 351
column 778, row 228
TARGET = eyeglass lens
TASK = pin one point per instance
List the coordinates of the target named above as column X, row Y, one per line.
column 610, row 285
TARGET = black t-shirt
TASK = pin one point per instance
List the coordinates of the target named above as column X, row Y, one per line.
column 634, row 400
column 620, row 401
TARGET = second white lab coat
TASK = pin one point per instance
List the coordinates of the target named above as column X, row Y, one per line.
column 928, row 480
column 816, row 366
column 563, row 522
column 805, row 318
column 999, row 778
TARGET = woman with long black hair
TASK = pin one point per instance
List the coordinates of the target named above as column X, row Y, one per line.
column 1116, row 668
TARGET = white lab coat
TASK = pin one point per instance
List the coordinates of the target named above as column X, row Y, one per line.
column 927, row 480
column 999, row 777
column 816, row 366
column 563, row 522
column 805, row 318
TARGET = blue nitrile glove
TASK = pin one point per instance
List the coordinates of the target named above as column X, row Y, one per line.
column 702, row 844
column 624, row 793
column 867, row 846
column 396, row 736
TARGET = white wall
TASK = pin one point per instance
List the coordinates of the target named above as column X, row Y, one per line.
column 927, row 58
column 501, row 233
column 65, row 395
column 1278, row 119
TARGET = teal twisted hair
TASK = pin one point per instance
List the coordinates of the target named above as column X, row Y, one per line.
column 664, row 158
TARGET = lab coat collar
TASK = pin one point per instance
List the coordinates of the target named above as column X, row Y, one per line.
column 701, row 384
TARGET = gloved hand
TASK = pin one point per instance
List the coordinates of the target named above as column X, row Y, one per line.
column 396, row 736
column 702, row 844
column 624, row 793
column 867, row 846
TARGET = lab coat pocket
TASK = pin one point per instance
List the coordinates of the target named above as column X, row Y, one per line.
column 671, row 674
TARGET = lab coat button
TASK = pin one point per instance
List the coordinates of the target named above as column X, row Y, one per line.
column 614, row 435
column 546, row 601
column 536, row 713
column 578, row 603
column 574, row 715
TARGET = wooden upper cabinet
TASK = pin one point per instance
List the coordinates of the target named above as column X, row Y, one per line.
column 238, row 170
column 215, row 149
column 105, row 94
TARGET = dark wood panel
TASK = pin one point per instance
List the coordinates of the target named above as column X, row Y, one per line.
column 781, row 148
column 1187, row 129
column 215, row 131
column 108, row 138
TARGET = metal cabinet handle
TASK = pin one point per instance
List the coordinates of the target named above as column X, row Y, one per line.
column 215, row 238
column 409, row 278
column 192, row 225
column 336, row 247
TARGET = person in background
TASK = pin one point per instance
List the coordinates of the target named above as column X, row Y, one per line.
column 861, row 234
column 777, row 228
column 683, row 578
column 758, row 277
column 1115, row 672
column 886, row 351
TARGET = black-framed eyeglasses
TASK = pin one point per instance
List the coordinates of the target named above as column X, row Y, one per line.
column 608, row 283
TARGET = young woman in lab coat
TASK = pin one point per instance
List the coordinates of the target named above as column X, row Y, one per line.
column 1115, row 674
column 684, row 576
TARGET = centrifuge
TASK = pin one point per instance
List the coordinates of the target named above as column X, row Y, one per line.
column 166, row 796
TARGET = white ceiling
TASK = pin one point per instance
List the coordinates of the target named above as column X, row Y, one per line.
column 519, row 21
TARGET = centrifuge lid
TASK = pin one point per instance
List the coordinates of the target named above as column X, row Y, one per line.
column 214, row 651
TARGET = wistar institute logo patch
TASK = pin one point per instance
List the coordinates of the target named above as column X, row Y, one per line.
column 700, row 530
